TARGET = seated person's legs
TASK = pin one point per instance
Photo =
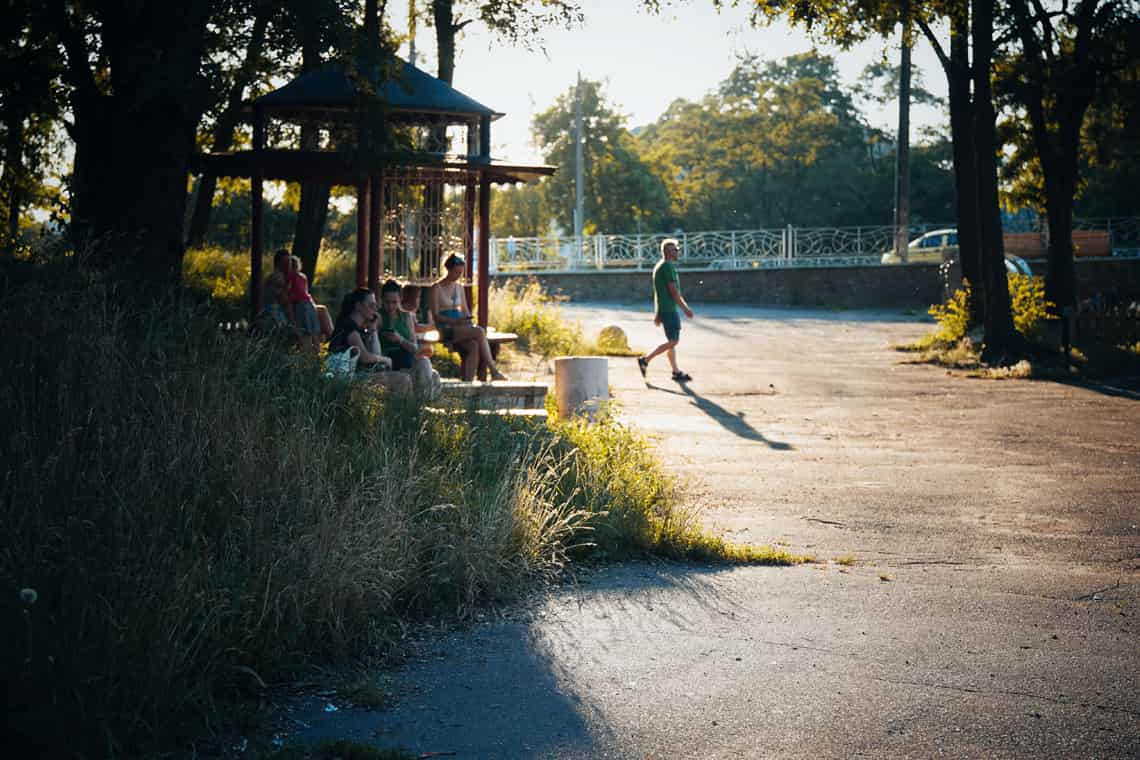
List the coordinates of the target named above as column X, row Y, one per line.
column 325, row 320
column 396, row 382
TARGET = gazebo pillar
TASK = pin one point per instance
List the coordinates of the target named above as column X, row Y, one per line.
column 375, row 234
column 362, row 233
column 469, row 228
column 484, row 244
column 256, row 212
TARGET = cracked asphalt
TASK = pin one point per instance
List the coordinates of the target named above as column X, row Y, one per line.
column 976, row 594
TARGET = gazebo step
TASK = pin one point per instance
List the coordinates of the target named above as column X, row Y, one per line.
column 530, row 414
column 498, row 395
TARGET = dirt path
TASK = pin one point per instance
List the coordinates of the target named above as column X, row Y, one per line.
column 986, row 606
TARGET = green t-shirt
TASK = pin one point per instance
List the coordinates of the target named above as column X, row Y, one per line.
column 398, row 324
column 663, row 274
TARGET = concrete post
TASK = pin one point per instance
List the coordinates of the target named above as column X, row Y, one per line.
column 580, row 383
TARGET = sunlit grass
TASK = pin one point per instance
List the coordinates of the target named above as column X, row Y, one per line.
column 189, row 504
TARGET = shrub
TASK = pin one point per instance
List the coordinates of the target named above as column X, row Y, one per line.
column 223, row 277
column 525, row 308
column 1027, row 300
column 1027, row 303
column 953, row 320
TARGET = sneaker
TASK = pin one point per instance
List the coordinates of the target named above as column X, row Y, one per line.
column 642, row 365
column 497, row 375
column 682, row 377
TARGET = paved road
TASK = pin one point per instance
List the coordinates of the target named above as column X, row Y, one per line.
column 991, row 609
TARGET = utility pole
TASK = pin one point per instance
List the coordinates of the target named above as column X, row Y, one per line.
column 412, row 32
column 579, row 213
column 902, row 149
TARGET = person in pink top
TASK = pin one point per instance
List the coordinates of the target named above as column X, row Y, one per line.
column 303, row 308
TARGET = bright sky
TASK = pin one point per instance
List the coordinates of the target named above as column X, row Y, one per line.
column 646, row 60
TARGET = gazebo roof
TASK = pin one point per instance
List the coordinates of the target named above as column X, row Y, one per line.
column 333, row 86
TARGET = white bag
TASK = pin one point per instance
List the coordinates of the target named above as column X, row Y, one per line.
column 342, row 364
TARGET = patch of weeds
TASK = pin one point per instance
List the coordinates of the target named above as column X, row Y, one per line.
column 635, row 506
column 1020, row 371
column 846, row 560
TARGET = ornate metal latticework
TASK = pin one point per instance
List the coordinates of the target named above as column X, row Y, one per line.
column 425, row 218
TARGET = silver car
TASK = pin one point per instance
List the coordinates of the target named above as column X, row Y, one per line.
column 938, row 246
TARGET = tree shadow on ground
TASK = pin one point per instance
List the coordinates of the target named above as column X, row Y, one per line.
column 521, row 686
column 1117, row 387
column 733, row 422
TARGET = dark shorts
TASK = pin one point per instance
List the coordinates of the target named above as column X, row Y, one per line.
column 305, row 315
column 401, row 359
column 671, row 322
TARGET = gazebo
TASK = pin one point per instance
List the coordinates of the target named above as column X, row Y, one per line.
column 416, row 150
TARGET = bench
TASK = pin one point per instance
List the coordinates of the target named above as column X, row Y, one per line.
column 495, row 339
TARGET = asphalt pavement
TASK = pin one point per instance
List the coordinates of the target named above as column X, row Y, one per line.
column 976, row 591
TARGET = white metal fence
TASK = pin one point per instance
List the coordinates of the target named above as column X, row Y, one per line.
column 741, row 249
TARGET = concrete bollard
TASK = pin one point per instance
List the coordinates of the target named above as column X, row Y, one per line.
column 580, row 383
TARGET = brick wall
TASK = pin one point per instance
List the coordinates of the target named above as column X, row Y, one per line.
column 913, row 286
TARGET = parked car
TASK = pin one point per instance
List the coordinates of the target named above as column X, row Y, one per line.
column 937, row 246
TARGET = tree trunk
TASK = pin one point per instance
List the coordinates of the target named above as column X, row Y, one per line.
column 133, row 147
column 225, row 126
column 965, row 175
column 313, row 209
column 445, row 32
column 1060, row 279
column 312, row 215
column 223, row 140
column 12, row 180
column 1056, row 114
column 129, row 185
column 902, row 151
column 1001, row 338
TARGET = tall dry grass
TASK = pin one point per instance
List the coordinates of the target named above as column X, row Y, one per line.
column 182, row 507
column 183, row 504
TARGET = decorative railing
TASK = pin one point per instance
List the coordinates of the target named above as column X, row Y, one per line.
column 742, row 249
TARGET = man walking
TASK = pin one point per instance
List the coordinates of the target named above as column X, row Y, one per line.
column 666, row 301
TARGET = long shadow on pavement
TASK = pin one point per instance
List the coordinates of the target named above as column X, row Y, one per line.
column 733, row 422
column 511, row 689
column 1121, row 387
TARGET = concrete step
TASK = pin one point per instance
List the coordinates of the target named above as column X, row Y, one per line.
column 530, row 414
column 510, row 394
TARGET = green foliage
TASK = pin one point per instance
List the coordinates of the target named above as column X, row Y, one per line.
column 523, row 307
column 222, row 277
column 621, row 194
column 781, row 142
column 1027, row 300
column 519, row 211
column 953, row 320
column 1029, row 309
